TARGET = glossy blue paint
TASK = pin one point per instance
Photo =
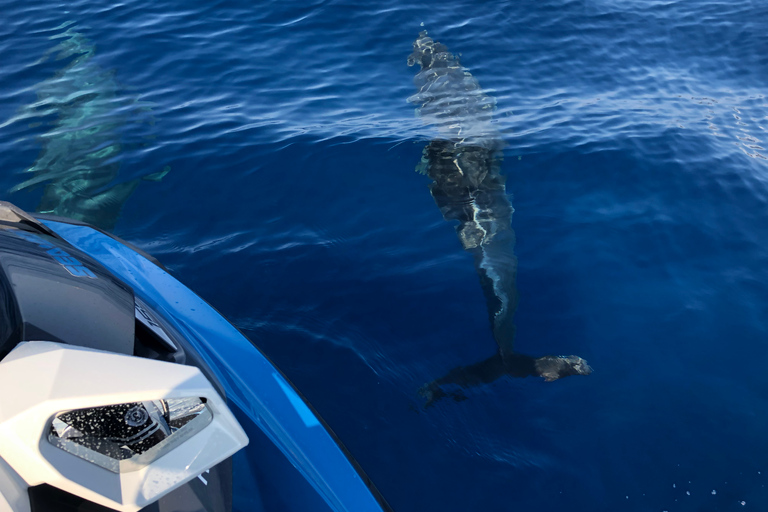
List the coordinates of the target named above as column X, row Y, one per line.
column 253, row 386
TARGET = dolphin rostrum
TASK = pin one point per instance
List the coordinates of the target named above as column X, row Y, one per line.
column 464, row 162
column 79, row 160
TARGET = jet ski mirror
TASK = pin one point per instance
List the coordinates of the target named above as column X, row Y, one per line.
column 117, row 430
column 127, row 437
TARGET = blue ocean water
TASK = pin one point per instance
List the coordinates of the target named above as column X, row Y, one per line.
column 635, row 152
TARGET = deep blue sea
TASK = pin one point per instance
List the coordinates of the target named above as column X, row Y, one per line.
column 636, row 135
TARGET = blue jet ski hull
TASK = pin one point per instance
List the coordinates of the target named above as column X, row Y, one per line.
column 293, row 461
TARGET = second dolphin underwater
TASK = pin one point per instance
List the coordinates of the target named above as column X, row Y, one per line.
column 79, row 162
column 464, row 164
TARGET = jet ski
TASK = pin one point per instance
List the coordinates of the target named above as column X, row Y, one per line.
column 125, row 391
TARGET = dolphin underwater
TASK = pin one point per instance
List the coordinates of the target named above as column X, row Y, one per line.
column 464, row 163
column 79, row 160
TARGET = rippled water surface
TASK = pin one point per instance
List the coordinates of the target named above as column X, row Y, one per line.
column 265, row 152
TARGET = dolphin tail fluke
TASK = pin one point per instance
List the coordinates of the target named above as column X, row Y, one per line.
column 557, row 367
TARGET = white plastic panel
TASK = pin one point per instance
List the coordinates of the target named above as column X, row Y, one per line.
column 41, row 378
column 13, row 490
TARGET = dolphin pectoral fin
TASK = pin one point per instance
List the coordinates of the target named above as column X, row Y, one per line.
column 40, row 177
column 157, row 176
column 423, row 166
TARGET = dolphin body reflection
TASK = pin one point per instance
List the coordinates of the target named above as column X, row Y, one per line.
column 464, row 164
column 79, row 160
